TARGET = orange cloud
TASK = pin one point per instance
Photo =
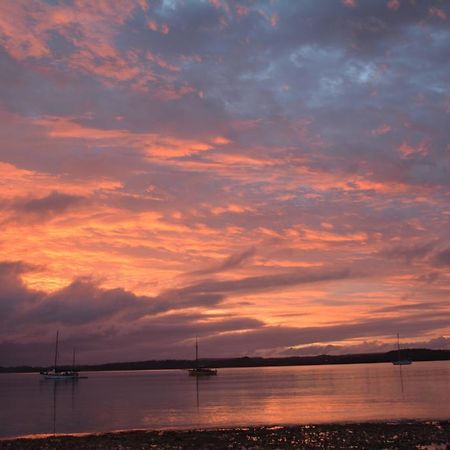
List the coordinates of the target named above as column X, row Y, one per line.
column 233, row 208
column 16, row 182
column 151, row 143
column 27, row 33
column 407, row 150
column 220, row 140
column 15, row 35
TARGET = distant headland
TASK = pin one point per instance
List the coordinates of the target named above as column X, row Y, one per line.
column 416, row 354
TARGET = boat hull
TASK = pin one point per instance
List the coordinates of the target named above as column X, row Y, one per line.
column 53, row 377
column 202, row 372
column 405, row 362
column 60, row 375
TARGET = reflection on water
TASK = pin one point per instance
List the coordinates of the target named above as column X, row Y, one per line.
column 171, row 399
column 56, row 385
column 401, row 381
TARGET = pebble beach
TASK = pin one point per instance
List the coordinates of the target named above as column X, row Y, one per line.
column 429, row 435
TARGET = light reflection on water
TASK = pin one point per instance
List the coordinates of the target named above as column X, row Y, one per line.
column 273, row 395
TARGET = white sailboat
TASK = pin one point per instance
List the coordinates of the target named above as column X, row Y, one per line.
column 198, row 371
column 400, row 361
column 55, row 373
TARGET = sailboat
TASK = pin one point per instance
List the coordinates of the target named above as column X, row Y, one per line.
column 55, row 373
column 400, row 361
column 198, row 371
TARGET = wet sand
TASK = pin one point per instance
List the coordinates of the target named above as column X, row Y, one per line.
column 431, row 435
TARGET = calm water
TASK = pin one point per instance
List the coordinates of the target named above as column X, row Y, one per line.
column 171, row 399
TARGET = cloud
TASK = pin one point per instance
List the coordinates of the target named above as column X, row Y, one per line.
column 13, row 292
column 154, row 145
column 366, row 347
column 272, row 339
column 105, row 321
column 393, row 4
column 349, row 3
column 84, row 302
column 151, row 144
column 54, row 203
column 233, row 261
column 409, row 252
column 442, row 258
column 264, row 282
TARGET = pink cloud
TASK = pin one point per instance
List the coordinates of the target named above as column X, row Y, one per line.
column 241, row 10
column 349, row 3
column 438, row 13
column 155, row 26
column 26, row 33
column 274, row 20
column 393, row 4
column 407, row 150
column 161, row 62
column 381, row 130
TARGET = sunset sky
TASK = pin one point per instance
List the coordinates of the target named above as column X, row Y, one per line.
column 272, row 176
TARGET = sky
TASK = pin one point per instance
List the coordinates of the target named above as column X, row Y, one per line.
column 270, row 176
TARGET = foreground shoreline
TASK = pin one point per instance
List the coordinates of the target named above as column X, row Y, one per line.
column 429, row 435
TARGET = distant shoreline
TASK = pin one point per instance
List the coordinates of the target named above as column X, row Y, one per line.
column 368, row 435
column 362, row 358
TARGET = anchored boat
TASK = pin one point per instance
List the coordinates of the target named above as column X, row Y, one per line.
column 198, row 371
column 55, row 373
column 400, row 361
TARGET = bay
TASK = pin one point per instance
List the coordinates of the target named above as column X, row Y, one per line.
column 107, row 401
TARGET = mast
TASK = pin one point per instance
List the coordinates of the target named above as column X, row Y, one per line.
column 56, row 349
column 398, row 346
column 73, row 360
column 196, row 350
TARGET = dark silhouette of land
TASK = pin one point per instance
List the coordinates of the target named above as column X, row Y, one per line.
column 416, row 354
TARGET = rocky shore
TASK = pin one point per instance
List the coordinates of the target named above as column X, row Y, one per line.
column 430, row 435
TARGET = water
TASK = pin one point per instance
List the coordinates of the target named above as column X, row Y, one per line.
column 274, row 395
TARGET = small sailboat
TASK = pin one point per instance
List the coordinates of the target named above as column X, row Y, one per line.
column 198, row 371
column 55, row 373
column 400, row 361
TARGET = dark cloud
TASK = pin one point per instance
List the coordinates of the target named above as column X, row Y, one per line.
column 418, row 306
column 83, row 302
column 409, row 252
column 104, row 323
column 332, row 125
column 264, row 282
column 86, row 307
column 442, row 258
column 54, row 203
column 276, row 338
column 14, row 294
column 232, row 262
column 41, row 208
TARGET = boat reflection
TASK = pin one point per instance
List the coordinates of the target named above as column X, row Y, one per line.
column 59, row 391
column 198, row 382
column 402, row 384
